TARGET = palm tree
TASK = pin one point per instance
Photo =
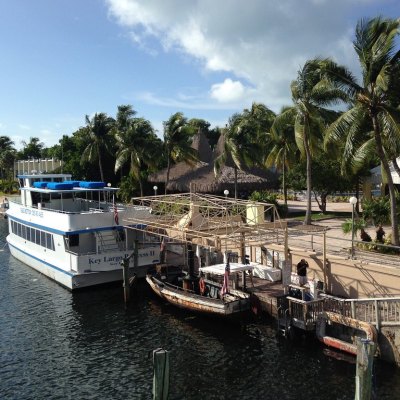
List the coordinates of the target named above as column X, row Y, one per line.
column 244, row 139
column 372, row 124
column 125, row 114
column 6, row 143
column 178, row 135
column 283, row 152
column 33, row 148
column 134, row 144
column 97, row 130
column 310, row 94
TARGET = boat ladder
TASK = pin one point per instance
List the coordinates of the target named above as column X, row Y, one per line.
column 107, row 241
column 284, row 325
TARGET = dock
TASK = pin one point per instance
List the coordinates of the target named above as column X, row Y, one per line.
column 267, row 293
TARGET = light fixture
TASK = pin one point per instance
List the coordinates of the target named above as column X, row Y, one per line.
column 353, row 201
column 155, row 190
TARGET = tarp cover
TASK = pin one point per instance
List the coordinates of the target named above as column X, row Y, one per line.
column 219, row 269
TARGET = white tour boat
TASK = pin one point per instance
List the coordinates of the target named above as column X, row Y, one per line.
column 71, row 231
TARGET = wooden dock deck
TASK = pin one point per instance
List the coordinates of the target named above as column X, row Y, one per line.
column 267, row 293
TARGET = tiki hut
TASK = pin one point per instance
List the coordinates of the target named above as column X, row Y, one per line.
column 200, row 177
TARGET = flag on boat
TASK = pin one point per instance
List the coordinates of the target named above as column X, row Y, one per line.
column 225, row 285
column 116, row 219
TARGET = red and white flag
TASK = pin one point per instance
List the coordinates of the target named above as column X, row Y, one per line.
column 116, row 219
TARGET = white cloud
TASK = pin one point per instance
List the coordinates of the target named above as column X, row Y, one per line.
column 24, row 127
column 262, row 42
column 228, row 91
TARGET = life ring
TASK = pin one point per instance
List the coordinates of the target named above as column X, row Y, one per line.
column 202, row 286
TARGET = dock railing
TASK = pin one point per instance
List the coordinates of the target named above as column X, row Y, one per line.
column 381, row 311
column 303, row 314
column 369, row 252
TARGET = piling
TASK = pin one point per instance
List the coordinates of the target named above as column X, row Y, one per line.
column 160, row 374
column 365, row 360
column 125, row 273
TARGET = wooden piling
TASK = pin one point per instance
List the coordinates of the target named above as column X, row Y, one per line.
column 160, row 374
column 365, row 360
column 125, row 273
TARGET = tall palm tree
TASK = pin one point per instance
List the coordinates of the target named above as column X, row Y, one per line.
column 244, row 139
column 97, row 130
column 178, row 136
column 372, row 124
column 134, row 144
column 124, row 116
column 310, row 94
column 283, row 152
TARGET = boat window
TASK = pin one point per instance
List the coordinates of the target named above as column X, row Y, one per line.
column 33, row 235
column 43, row 239
column 49, row 241
column 37, row 237
column 73, row 240
column 35, row 197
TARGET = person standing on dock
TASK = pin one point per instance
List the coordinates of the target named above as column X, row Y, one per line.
column 302, row 271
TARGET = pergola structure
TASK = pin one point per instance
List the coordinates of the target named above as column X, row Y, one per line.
column 221, row 223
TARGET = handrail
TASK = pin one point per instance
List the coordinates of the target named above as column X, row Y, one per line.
column 380, row 311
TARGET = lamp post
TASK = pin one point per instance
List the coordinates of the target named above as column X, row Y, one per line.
column 155, row 190
column 353, row 201
column 226, row 192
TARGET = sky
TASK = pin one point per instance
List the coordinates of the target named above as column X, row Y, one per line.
column 64, row 59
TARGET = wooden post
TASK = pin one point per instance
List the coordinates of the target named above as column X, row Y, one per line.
column 125, row 273
column 324, row 259
column 365, row 360
column 287, row 265
column 160, row 374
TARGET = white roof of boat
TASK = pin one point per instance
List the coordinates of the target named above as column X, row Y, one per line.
column 219, row 269
column 75, row 189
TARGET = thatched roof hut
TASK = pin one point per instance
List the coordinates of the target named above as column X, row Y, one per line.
column 200, row 177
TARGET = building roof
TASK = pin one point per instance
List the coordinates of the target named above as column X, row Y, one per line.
column 200, row 177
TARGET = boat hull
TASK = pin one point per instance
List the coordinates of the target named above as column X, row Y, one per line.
column 197, row 303
column 69, row 279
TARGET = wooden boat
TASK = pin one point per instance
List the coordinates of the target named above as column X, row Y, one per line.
column 211, row 302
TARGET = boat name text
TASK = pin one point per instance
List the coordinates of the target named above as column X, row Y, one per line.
column 35, row 213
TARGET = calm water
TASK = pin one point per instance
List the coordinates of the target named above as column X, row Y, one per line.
column 59, row 345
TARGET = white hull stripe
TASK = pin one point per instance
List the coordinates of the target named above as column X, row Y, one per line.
column 43, row 262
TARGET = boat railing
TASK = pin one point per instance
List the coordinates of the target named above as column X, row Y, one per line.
column 98, row 207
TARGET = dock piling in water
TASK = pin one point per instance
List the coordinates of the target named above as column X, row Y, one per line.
column 365, row 360
column 160, row 374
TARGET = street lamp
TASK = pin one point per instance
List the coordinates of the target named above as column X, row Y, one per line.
column 226, row 192
column 155, row 190
column 353, row 201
